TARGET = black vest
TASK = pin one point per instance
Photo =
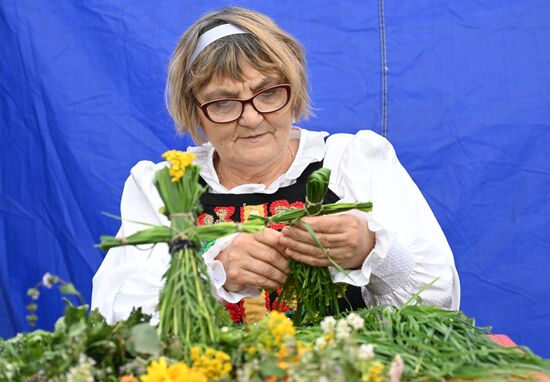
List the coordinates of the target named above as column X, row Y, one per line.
column 237, row 207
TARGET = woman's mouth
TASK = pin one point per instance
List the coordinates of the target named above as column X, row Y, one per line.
column 254, row 137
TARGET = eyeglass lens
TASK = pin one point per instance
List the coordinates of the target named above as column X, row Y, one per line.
column 267, row 101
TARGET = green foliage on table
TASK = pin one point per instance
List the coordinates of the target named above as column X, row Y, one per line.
column 80, row 338
column 434, row 344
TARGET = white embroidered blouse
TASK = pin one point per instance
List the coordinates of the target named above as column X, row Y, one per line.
column 410, row 251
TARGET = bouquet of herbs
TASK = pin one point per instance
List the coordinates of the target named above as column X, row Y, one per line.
column 311, row 288
column 187, row 308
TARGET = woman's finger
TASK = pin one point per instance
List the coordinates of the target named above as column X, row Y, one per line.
column 249, row 262
column 327, row 224
column 269, row 255
column 306, row 259
column 301, row 235
column 247, row 278
column 268, row 236
column 265, row 270
column 309, row 249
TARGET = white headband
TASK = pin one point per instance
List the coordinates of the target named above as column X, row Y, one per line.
column 212, row 35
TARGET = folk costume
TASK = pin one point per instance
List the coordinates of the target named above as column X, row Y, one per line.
column 410, row 251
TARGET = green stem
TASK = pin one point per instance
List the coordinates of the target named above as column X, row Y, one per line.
column 202, row 305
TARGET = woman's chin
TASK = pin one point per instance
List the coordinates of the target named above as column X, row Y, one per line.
column 259, row 158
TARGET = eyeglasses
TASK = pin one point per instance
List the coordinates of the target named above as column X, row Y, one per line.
column 228, row 110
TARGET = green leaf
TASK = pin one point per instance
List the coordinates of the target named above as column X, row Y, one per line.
column 74, row 314
column 144, row 340
column 321, row 247
column 78, row 329
column 68, row 288
column 316, row 189
column 270, row 369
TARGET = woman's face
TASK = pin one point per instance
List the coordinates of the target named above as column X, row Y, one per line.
column 254, row 140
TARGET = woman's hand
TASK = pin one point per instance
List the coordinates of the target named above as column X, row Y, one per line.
column 255, row 259
column 347, row 239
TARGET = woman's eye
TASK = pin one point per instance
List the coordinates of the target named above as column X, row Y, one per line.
column 269, row 93
column 221, row 105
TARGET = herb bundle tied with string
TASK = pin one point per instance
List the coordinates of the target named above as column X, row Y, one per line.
column 310, row 288
column 188, row 311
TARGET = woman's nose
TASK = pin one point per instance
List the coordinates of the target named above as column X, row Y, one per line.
column 250, row 117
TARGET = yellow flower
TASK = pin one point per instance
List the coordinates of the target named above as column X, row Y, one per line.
column 159, row 371
column 280, row 326
column 303, row 347
column 212, row 363
column 290, row 355
column 195, row 353
column 374, row 373
column 178, row 163
column 283, row 365
column 283, row 352
column 180, row 372
column 251, row 350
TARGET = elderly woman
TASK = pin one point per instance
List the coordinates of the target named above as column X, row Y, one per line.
column 237, row 83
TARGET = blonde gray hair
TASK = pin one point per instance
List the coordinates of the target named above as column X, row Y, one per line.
column 266, row 48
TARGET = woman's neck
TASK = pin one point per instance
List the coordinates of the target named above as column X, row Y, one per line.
column 230, row 176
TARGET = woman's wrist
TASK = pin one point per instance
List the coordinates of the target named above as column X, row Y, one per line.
column 366, row 245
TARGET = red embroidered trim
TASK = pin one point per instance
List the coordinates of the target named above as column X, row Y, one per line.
column 224, row 213
column 243, row 216
column 280, row 206
column 205, row 219
column 236, row 311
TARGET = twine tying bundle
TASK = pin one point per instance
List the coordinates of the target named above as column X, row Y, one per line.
column 178, row 244
column 313, row 208
column 188, row 215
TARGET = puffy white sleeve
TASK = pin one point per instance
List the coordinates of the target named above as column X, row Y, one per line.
column 131, row 276
column 410, row 248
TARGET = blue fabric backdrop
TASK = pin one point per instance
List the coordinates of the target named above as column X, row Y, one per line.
column 460, row 88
